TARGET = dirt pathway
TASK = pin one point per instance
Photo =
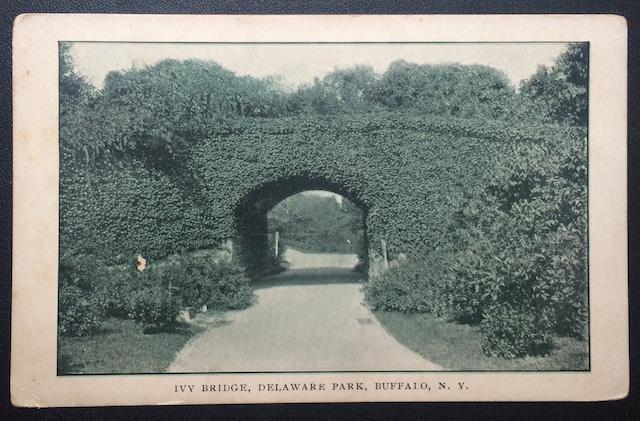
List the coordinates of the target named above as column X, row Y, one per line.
column 304, row 320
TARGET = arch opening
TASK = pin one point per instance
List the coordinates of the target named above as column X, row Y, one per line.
column 325, row 219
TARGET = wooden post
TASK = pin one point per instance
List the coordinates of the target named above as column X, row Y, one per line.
column 384, row 253
column 277, row 239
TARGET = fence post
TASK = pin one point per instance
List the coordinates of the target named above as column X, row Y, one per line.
column 277, row 239
column 384, row 253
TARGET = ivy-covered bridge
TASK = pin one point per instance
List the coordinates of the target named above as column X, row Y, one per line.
column 407, row 173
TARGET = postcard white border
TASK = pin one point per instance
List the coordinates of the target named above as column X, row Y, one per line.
column 35, row 205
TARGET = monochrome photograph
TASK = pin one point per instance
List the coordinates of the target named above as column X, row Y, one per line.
column 222, row 215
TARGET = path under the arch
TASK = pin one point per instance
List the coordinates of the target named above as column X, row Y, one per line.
column 304, row 319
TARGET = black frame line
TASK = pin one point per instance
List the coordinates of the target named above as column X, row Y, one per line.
column 322, row 42
column 588, row 252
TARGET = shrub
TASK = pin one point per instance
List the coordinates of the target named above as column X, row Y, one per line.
column 234, row 291
column 78, row 270
column 77, row 314
column 154, row 306
column 203, row 281
column 91, row 292
column 153, row 297
column 510, row 332
column 112, row 289
column 521, row 268
column 415, row 286
column 151, row 300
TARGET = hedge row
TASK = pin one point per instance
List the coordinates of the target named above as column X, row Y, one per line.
column 154, row 297
column 116, row 210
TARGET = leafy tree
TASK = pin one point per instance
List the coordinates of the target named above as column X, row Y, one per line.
column 351, row 88
column 75, row 95
column 74, row 88
column 446, row 89
column 318, row 223
column 560, row 93
column 343, row 90
column 158, row 112
column 314, row 99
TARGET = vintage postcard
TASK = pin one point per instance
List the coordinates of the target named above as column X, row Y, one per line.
column 249, row 209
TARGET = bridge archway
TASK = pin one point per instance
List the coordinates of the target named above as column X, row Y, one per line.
column 251, row 241
column 408, row 174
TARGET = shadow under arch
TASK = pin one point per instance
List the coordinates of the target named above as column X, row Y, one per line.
column 251, row 244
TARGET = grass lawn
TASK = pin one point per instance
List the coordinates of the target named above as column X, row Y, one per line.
column 122, row 346
column 456, row 346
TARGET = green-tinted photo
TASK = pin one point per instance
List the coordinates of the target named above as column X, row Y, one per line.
column 323, row 207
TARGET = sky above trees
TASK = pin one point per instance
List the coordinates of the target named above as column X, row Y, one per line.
column 297, row 64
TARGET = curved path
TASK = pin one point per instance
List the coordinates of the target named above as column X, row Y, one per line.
column 303, row 320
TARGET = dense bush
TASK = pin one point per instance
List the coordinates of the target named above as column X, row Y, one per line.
column 510, row 333
column 218, row 285
column 145, row 297
column 77, row 314
column 78, row 311
column 516, row 255
column 113, row 288
column 524, row 250
column 154, row 305
column 524, row 235
column 414, row 286
column 91, row 292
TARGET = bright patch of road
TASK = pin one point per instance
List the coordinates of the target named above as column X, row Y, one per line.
column 309, row 319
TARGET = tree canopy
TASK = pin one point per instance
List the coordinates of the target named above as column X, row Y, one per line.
column 158, row 112
column 317, row 223
column 560, row 93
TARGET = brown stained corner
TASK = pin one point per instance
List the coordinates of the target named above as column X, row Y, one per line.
column 22, row 136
